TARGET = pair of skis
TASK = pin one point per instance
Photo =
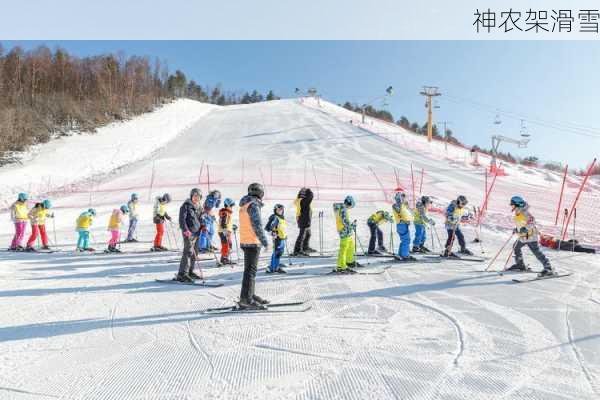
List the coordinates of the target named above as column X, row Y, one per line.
column 291, row 307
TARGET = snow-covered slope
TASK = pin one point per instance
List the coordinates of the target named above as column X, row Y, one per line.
column 76, row 326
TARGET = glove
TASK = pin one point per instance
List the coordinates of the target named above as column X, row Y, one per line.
column 187, row 234
column 523, row 231
column 234, row 227
column 274, row 234
column 168, row 218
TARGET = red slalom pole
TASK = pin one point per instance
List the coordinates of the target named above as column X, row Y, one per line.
column 562, row 189
column 587, row 175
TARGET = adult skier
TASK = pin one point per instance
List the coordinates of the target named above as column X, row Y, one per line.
column 528, row 236
column 212, row 201
column 403, row 216
column 114, row 227
column 84, row 223
column 252, row 237
column 421, row 219
column 376, row 219
column 37, row 216
column 455, row 215
column 276, row 226
column 303, row 218
column 19, row 217
column 189, row 223
column 160, row 215
column 345, row 228
column 225, row 229
column 132, row 205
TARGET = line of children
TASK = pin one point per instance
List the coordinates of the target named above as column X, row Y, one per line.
column 276, row 226
column 84, row 223
column 132, row 205
column 37, row 216
column 159, row 216
column 373, row 222
column 114, row 227
column 225, row 229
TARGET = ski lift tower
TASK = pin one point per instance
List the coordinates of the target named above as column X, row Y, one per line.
column 429, row 92
column 388, row 93
column 497, row 139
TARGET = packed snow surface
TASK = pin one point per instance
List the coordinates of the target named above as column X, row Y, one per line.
column 77, row 326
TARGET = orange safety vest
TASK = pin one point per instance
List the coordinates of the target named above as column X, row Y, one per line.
column 247, row 234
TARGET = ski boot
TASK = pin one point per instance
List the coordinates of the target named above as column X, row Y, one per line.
column 90, row 249
column 546, row 272
column 184, row 278
column 281, row 270
column 466, row 252
column 46, row 247
column 30, row 249
column 382, row 249
column 20, row 248
column 259, row 299
column 518, row 266
column 354, row 264
column 194, row 275
column 309, row 250
column 408, row 258
column 416, row 249
column 282, row 265
column 346, row 270
column 224, row 261
column 246, row 304
column 162, row 248
column 373, row 253
column 425, row 250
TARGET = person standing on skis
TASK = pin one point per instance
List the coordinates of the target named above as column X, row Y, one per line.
column 303, row 218
column 132, row 205
column 212, row 201
column 189, row 223
column 225, row 229
column 252, row 238
column 84, row 223
column 455, row 215
column 403, row 217
column 37, row 216
column 345, row 228
column 160, row 215
column 528, row 236
column 114, row 227
column 18, row 215
column 422, row 218
column 376, row 219
column 276, row 226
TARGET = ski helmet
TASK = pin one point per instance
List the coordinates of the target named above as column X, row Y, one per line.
column 399, row 197
column 124, row 209
column 278, row 207
column 302, row 193
column 462, row 200
column 166, row 198
column 22, row 197
column 517, row 201
column 46, row 204
column 195, row 191
column 134, row 197
column 425, row 200
column 256, row 189
column 228, row 202
column 349, row 201
column 92, row 212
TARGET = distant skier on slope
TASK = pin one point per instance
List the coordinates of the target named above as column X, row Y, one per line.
column 19, row 217
column 189, row 223
column 303, row 218
column 373, row 222
column 276, row 226
column 455, row 215
column 345, row 228
column 84, row 223
column 160, row 215
column 37, row 215
column 132, row 204
column 212, row 201
column 403, row 217
column 225, row 229
column 421, row 219
column 114, row 227
column 528, row 236
column 252, row 237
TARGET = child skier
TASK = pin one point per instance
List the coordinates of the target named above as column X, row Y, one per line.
column 345, row 228
column 252, row 237
column 422, row 218
column 403, row 216
column 213, row 200
column 528, row 236
column 376, row 219
column 303, row 218
column 455, row 214
column 84, row 222
column 160, row 215
column 37, row 215
column 277, row 227
column 132, row 205
column 114, row 227
column 18, row 215
column 225, row 229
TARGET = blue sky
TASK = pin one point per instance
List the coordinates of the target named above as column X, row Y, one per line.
column 554, row 86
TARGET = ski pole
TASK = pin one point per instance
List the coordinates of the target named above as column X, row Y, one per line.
column 500, row 251
column 449, row 248
column 321, row 238
column 574, row 222
column 477, row 234
column 237, row 248
column 169, row 238
column 512, row 250
column 432, row 242
column 288, row 253
column 392, row 239
column 356, row 238
column 174, row 236
column 54, row 231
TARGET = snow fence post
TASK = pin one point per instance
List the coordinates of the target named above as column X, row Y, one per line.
column 562, row 189
column 587, row 175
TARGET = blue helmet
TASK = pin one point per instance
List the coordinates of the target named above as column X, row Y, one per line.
column 22, row 197
column 349, row 201
column 399, row 197
column 124, row 209
column 517, row 201
column 134, row 197
column 92, row 211
column 228, row 202
column 47, row 204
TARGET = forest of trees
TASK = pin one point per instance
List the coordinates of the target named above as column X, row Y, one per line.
column 45, row 93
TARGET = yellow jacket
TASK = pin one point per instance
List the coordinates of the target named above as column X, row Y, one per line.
column 402, row 213
column 38, row 215
column 84, row 221
column 18, row 211
column 115, row 220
